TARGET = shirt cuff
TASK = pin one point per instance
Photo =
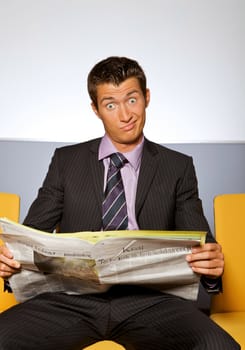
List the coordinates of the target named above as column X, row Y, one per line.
column 212, row 285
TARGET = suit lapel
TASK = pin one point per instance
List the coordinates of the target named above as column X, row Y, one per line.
column 149, row 165
column 97, row 172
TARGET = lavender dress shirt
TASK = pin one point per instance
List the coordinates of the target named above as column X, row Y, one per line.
column 129, row 172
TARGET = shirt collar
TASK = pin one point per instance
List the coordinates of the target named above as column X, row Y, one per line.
column 106, row 148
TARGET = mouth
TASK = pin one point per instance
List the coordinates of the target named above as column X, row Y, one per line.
column 128, row 127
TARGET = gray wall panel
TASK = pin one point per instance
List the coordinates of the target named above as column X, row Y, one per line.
column 220, row 168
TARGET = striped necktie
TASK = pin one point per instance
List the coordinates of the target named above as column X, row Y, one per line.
column 114, row 208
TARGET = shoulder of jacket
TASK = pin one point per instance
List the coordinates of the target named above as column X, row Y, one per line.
column 164, row 151
column 79, row 147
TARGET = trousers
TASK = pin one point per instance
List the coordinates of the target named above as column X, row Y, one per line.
column 137, row 318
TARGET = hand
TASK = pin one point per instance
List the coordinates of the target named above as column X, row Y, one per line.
column 207, row 260
column 8, row 266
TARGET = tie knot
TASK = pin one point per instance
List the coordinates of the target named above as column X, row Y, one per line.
column 118, row 160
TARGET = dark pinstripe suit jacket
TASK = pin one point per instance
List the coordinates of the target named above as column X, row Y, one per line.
column 72, row 192
column 71, row 195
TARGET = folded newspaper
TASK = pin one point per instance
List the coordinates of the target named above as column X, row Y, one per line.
column 91, row 262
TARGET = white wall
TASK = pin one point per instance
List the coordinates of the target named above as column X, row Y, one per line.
column 193, row 52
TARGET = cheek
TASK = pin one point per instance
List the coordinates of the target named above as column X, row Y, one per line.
column 141, row 113
column 140, row 109
column 109, row 122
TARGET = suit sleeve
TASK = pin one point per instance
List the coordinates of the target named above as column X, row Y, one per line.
column 46, row 210
column 189, row 216
column 189, row 212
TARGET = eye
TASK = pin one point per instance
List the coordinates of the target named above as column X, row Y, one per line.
column 110, row 106
column 132, row 100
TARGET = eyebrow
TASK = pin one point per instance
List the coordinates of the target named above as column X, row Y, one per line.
column 110, row 98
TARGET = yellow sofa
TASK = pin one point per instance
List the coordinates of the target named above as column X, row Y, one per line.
column 228, row 308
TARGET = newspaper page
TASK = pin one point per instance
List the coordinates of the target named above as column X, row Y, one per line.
column 91, row 262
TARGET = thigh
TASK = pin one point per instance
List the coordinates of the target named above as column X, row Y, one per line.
column 54, row 321
column 171, row 323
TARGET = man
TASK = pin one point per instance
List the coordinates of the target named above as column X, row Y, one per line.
column 161, row 194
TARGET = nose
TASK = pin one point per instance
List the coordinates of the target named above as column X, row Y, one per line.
column 124, row 113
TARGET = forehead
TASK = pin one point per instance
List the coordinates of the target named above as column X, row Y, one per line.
column 110, row 90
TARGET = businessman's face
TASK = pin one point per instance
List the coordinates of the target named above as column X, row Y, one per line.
column 122, row 111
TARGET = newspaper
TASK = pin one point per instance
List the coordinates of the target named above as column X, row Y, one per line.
column 91, row 262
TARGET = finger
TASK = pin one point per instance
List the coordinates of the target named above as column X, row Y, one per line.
column 212, row 268
column 7, row 271
column 10, row 262
column 205, row 256
column 5, row 251
column 208, row 264
column 7, row 274
column 207, row 247
column 213, row 272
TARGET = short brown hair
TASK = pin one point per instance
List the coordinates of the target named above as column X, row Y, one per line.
column 114, row 70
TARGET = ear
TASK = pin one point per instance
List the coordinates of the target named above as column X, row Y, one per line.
column 95, row 109
column 147, row 97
